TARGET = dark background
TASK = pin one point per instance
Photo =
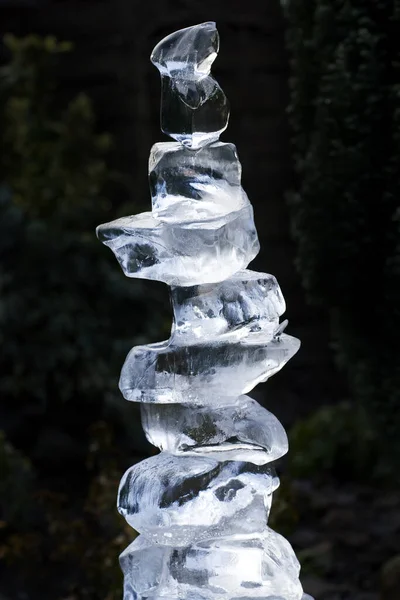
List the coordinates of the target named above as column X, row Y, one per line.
column 315, row 115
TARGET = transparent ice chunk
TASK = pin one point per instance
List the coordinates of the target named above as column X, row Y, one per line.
column 189, row 185
column 248, row 303
column 243, row 431
column 202, row 505
column 194, row 109
column 182, row 254
column 202, row 373
column 260, row 566
column 184, row 498
column 187, row 52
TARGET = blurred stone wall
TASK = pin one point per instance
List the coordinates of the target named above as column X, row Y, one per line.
column 113, row 40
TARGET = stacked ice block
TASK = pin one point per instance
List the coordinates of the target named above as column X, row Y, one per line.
column 201, row 506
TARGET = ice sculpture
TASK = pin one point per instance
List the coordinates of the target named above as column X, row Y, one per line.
column 201, row 506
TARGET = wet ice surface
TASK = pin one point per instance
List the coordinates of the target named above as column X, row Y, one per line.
column 246, row 303
column 188, row 185
column 243, row 431
column 194, row 109
column 202, row 373
column 181, row 253
column 179, row 499
column 202, row 505
column 244, row 566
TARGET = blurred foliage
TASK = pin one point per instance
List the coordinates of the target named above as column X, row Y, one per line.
column 16, row 481
column 68, row 317
column 78, row 544
column 345, row 116
column 336, row 441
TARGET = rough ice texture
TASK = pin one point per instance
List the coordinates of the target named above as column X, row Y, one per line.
column 181, row 253
column 192, row 185
column 202, row 505
column 202, row 373
column 246, row 304
column 242, row 431
column 260, row 566
column 194, row 109
column 179, row 499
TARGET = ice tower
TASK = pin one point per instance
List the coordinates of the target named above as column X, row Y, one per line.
column 201, row 505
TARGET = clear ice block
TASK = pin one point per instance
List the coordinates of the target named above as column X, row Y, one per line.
column 260, row 566
column 202, row 373
column 243, row 431
column 194, row 109
column 182, row 254
column 202, row 505
column 192, row 185
column 185, row 498
column 246, row 304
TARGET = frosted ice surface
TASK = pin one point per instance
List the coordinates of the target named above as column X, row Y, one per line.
column 191, row 185
column 194, row 109
column 260, row 566
column 179, row 499
column 246, row 303
column 242, row 431
column 202, row 373
column 181, row 253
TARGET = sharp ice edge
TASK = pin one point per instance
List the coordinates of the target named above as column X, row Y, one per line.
column 202, row 373
column 201, row 229
column 259, row 565
column 194, row 109
column 188, row 185
column 181, row 253
column 202, row 504
column 243, row 431
column 183, row 499
column 247, row 305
